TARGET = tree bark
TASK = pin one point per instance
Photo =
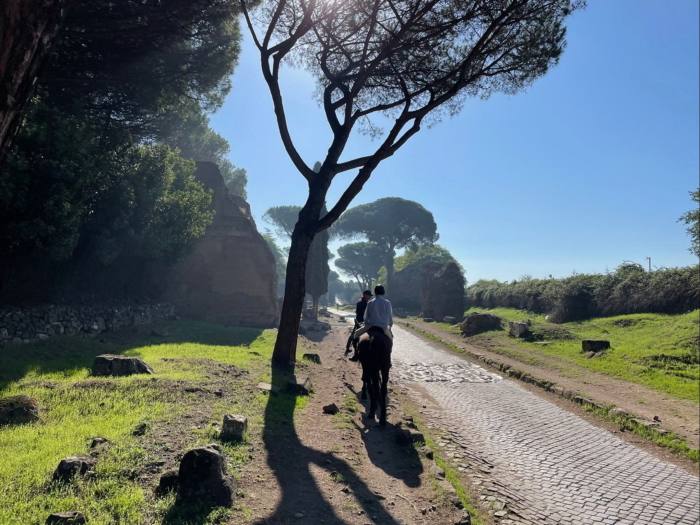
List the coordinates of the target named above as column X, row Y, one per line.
column 27, row 28
column 305, row 230
column 285, row 350
column 315, row 307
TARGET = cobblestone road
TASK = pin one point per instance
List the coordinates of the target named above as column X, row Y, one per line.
column 535, row 462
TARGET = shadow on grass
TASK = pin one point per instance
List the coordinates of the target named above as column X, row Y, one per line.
column 68, row 354
column 179, row 514
column 291, row 461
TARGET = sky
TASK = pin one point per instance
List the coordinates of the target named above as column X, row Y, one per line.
column 590, row 166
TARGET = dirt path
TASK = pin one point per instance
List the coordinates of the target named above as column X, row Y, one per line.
column 677, row 415
column 334, row 469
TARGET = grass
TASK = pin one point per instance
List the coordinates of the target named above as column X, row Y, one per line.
column 76, row 407
column 656, row 350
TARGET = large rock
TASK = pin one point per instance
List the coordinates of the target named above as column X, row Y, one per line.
column 477, row 323
column 119, row 365
column 592, row 345
column 443, row 292
column 71, row 517
column 229, row 275
column 73, row 466
column 17, row 410
column 202, row 478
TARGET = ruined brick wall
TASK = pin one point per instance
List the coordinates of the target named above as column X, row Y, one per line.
column 229, row 275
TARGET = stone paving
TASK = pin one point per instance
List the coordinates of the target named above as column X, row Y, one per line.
column 534, row 462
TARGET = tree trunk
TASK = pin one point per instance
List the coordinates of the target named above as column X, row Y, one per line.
column 27, row 28
column 285, row 351
column 389, row 265
column 315, row 307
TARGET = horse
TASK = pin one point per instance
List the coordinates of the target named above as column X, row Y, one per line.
column 375, row 358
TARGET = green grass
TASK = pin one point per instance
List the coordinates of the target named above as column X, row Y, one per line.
column 76, row 407
column 655, row 350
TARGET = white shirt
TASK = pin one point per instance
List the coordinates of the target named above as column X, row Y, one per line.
column 379, row 313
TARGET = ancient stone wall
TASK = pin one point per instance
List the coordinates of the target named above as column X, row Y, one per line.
column 229, row 275
column 443, row 292
column 41, row 322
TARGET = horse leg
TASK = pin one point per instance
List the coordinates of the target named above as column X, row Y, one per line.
column 365, row 381
column 383, row 395
column 373, row 393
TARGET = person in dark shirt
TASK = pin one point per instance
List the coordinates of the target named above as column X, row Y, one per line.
column 360, row 308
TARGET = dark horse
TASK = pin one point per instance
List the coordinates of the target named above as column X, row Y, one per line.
column 375, row 357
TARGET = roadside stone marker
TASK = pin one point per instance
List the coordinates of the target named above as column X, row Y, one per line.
column 234, row 428
column 518, row 329
column 202, row 478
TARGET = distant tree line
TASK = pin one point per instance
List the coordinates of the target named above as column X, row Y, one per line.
column 99, row 181
column 629, row 289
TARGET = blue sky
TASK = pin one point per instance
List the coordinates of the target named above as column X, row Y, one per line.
column 589, row 167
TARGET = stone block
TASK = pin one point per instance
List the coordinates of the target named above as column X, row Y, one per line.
column 202, row 478
column 519, row 329
column 234, row 428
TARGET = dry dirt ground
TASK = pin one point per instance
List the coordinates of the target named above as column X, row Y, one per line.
column 677, row 415
column 338, row 469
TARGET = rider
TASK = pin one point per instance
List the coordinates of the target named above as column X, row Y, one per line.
column 360, row 308
column 378, row 314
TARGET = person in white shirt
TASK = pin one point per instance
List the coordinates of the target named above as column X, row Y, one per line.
column 378, row 314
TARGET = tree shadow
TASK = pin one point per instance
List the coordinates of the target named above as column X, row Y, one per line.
column 291, row 462
column 182, row 514
column 379, row 440
column 75, row 352
column 398, row 462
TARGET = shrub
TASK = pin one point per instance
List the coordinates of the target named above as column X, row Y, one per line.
column 629, row 289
